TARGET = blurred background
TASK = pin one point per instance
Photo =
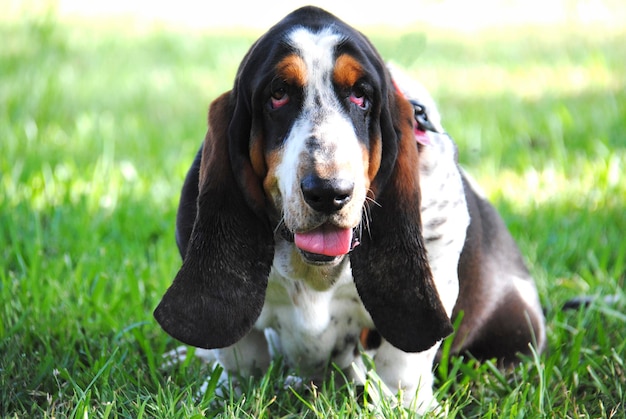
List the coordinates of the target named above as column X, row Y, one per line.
column 103, row 107
column 455, row 14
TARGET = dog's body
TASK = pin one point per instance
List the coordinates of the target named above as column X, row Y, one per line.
column 319, row 219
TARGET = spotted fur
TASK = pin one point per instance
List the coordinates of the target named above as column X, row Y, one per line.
column 316, row 142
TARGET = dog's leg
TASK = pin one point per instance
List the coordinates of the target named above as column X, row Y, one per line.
column 249, row 356
column 410, row 373
column 180, row 354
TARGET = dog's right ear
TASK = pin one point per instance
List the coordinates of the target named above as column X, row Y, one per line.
column 219, row 291
column 390, row 266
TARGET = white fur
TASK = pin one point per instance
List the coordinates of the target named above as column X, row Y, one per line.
column 313, row 314
column 330, row 144
column 442, row 197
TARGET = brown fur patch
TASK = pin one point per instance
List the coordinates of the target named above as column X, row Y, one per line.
column 215, row 150
column 407, row 179
column 292, row 70
column 257, row 157
column 347, row 70
column 374, row 157
column 270, row 182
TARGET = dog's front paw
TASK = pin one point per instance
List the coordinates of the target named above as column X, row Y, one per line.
column 296, row 383
column 180, row 354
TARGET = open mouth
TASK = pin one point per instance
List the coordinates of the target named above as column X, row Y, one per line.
column 318, row 259
column 325, row 244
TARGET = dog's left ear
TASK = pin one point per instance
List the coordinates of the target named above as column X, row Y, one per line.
column 390, row 266
column 219, row 291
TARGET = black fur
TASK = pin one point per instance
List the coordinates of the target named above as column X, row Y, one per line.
column 219, row 291
column 390, row 267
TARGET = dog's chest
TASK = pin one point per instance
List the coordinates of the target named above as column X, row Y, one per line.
column 310, row 327
column 315, row 316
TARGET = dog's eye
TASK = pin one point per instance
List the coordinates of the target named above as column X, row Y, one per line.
column 358, row 96
column 279, row 96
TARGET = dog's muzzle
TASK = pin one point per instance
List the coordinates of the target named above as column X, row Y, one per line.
column 323, row 245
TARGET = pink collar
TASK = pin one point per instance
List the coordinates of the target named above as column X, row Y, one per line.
column 421, row 124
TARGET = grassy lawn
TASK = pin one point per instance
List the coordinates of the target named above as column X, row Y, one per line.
column 98, row 125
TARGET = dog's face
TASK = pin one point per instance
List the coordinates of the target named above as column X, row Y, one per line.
column 313, row 141
column 315, row 102
column 321, row 111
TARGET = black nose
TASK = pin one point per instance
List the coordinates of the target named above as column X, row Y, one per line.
column 326, row 195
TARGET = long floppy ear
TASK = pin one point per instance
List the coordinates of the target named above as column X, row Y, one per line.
column 390, row 266
column 220, row 289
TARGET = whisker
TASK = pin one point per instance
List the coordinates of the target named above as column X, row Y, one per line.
column 372, row 200
column 363, row 220
column 280, row 223
column 367, row 217
column 367, row 210
column 368, row 221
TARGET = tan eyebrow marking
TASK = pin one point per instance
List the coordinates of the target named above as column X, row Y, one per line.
column 292, row 69
column 347, row 71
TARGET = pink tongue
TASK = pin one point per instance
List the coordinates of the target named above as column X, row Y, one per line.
column 325, row 240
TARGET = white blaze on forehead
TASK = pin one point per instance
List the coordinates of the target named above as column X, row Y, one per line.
column 317, row 50
column 323, row 130
column 322, row 138
column 323, row 117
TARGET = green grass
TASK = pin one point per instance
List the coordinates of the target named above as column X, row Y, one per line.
column 98, row 125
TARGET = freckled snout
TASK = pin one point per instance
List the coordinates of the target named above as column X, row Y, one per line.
column 326, row 195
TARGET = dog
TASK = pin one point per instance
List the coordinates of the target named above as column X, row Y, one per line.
column 325, row 215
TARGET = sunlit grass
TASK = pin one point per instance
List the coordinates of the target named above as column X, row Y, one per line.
column 98, row 125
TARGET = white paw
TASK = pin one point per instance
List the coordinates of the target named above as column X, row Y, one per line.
column 295, row 382
column 180, row 354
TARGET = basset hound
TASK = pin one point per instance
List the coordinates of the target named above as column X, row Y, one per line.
column 326, row 214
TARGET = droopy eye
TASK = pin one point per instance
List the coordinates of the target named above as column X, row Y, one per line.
column 279, row 96
column 358, row 96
